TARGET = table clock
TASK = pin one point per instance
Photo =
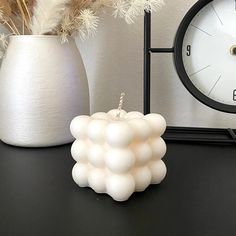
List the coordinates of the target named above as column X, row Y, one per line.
column 204, row 54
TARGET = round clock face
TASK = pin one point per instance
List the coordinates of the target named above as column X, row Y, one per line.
column 205, row 53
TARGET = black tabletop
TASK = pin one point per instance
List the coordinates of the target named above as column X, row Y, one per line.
column 39, row 197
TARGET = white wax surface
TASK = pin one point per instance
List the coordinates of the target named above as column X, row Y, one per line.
column 118, row 155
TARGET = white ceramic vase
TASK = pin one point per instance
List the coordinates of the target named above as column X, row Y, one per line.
column 43, row 86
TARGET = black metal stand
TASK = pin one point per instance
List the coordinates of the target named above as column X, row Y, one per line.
column 180, row 134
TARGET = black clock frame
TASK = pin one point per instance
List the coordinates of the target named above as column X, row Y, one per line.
column 178, row 59
column 184, row 134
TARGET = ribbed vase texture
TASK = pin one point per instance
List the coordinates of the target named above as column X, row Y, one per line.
column 43, row 86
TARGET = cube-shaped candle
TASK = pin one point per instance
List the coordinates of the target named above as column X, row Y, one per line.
column 118, row 153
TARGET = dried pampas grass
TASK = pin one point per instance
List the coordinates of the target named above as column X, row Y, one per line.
column 3, row 41
column 5, row 7
column 130, row 10
column 82, row 18
column 24, row 11
column 82, row 22
column 66, row 17
column 3, row 45
column 8, row 22
column 47, row 15
column 88, row 24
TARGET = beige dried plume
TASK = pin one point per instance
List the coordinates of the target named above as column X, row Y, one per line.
column 5, row 16
column 24, row 11
column 47, row 14
column 81, row 18
column 5, row 7
column 67, row 17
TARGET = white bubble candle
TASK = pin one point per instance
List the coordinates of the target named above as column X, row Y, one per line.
column 118, row 153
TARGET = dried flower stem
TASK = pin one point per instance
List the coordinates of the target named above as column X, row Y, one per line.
column 27, row 11
column 14, row 26
column 23, row 27
column 5, row 22
column 24, row 12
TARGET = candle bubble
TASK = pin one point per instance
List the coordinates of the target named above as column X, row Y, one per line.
column 96, row 180
column 157, row 123
column 133, row 115
column 119, row 134
column 119, row 160
column 142, row 178
column 80, row 174
column 120, row 187
column 79, row 151
column 143, row 153
column 158, row 170
column 96, row 155
column 79, row 126
column 158, row 146
column 140, row 128
column 96, row 130
column 100, row 115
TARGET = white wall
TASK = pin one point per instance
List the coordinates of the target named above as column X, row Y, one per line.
column 114, row 63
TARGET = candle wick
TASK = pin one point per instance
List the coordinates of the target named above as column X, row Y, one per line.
column 120, row 104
